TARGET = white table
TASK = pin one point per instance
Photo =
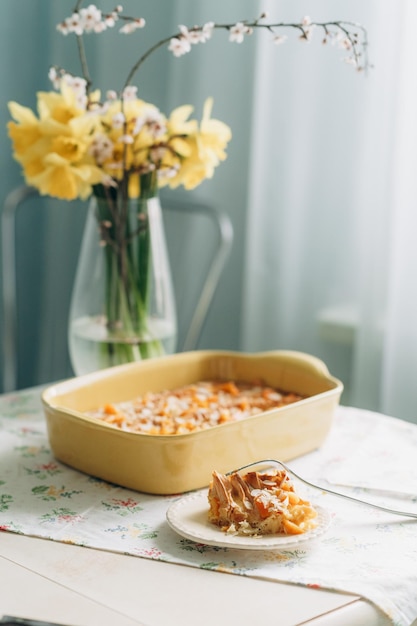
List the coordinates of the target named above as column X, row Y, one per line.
column 80, row 586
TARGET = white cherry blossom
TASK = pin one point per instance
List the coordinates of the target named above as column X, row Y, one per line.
column 140, row 122
column 62, row 27
column 79, row 87
column 126, row 139
column 111, row 95
column 130, row 27
column 168, row 172
column 115, row 165
column 127, row 29
column 101, row 148
column 158, row 153
column 194, row 35
column 100, row 27
column 350, row 61
column 78, row 84
column 130, row 92
column 280, row 39
column 110, row 20
column 153, row 119
column 157, row 128
column 90, row 18
column 207, row 31
column 344, row 42
column 308, row 28
column 118, row 120
column 108, row 181
column 72, row 24
column 54, row 77
column 179, row 46
column 237, row 32
column 97, row 108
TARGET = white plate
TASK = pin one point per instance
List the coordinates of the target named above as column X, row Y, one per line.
column 188, row 517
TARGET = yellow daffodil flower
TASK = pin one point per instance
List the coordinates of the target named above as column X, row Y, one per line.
column 75, row 143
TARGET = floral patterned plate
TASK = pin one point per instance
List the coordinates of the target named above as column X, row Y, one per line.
column 188, row 517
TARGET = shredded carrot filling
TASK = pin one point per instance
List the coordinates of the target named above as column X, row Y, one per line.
column 193, row 407
column 258, row 503
column 109, row 409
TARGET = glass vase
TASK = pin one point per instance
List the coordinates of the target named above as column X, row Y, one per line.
column 122, row 306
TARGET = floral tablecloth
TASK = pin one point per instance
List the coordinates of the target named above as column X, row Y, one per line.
column 365, row 552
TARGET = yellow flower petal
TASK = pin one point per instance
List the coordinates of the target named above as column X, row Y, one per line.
column 21, row 114
column 23, row 137
column 61, row 107
column 61, row 180
column 178, row 124
column 69, row 148
column 180, row 146
column 134, row 186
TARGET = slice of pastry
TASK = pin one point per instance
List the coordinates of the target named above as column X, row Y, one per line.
column 258, row 503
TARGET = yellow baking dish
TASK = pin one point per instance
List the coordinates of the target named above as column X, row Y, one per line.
column 167, row 464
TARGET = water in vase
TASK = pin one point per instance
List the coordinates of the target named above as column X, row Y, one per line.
column 93, row 348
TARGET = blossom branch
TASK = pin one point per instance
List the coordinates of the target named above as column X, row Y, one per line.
column 181, row 42
column 143, row 58
column 347, row 35
column 84, row 64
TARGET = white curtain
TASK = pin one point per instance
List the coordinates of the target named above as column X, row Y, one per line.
column 331, row 258
column 399, row 366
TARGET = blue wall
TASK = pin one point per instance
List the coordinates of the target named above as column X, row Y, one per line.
column 49, row 232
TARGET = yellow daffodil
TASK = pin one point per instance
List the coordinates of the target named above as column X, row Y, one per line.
column 53, row 148
column 214, row 135
column 24, row 132
column 61, row 179
column 205, row 148
column 178, row 123
column 75, row 143
column 60, row 106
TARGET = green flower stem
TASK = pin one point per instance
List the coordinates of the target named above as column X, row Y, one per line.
column 126, row 240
